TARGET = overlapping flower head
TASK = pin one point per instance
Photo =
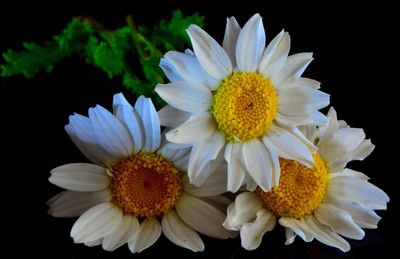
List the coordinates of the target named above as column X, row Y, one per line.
column 136, row 180
column 242, row 102
column 237, row 114
column 324, row 202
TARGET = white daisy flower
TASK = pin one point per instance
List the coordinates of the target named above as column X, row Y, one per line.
column 324, row 202
column 242, row 102
column 137, row 186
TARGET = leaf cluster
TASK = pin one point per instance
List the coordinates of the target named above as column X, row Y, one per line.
column 130, row 52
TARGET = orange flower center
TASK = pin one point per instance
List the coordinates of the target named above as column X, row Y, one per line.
column 145, row 185
column 300, row 190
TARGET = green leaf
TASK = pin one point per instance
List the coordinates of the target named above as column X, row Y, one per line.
column 129, row 51
column 136, row 85
column 74, row 37
column 89, row 50
column 42, row 57
column 32, row 60
column 172, row 34
column 122, row 40
column 111, row 61
column 152, row 71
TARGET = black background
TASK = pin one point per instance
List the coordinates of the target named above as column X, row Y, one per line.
column 355, row 59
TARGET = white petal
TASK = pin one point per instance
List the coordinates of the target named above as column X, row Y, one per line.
column 251, row 233
column 341, row 141
column 250, row 44
column 349, row 172
column 219, row 202
column 81, row 132
column 210, row 54
column 236, row 170
column 232, row 31
column 342, row 124
column 151, row 123
column 301, row 100
column 202, row 155
column 307, row 82
column 54, row 199
column 290, row 236
column 97, row 222
column 196, row 129
column 359, row 153
column 132, row 121
column 362, row 151
column 150, row 231
column 111, row 133
column 179, row 233
column 85, row 149
column 183, row 163
column 242, row 211
column 365, row 218
column 186, row 68
column 260, row 164
column 289, row 145
column 325, row 133
column 172, row 145
column 214, row 185
column 171, row 153
column 73, row 204
column 251, row 185
column 353, row 173
column 267, row 55
column 209, row 168
column 309, row 132
column 118, row 100
column 314, row 118
column 339, row 221
column 275, row 167
column 325, row 235
column 358, row 190
column 275, row 55
column 94, row 243
column 127, row 229
column 293, row 68
column 189, row 52
column 170, row 70
column 306, row 141
column 171, row 117
column 80, row 177
column 191, row 97
column 202, row 217
column 299, row 227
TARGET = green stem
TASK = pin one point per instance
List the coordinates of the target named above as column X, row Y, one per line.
column 136, row 38
column 104, row 33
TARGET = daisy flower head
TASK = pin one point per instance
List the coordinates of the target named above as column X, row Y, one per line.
column 324, row 202
column 241, row 102
column 137, row 186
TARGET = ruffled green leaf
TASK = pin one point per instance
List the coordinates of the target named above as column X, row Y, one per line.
column 37, row 57
column 131, row 52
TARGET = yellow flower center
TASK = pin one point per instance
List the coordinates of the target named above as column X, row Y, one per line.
column 244, row 106
column 300, row 189
column 145, row 185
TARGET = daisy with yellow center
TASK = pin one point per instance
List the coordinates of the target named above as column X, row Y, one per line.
column 242, row 102
column 137, row 187
column 324, row 202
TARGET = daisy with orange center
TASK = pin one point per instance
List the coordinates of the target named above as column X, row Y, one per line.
column 137, row 187
column 324, row 202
